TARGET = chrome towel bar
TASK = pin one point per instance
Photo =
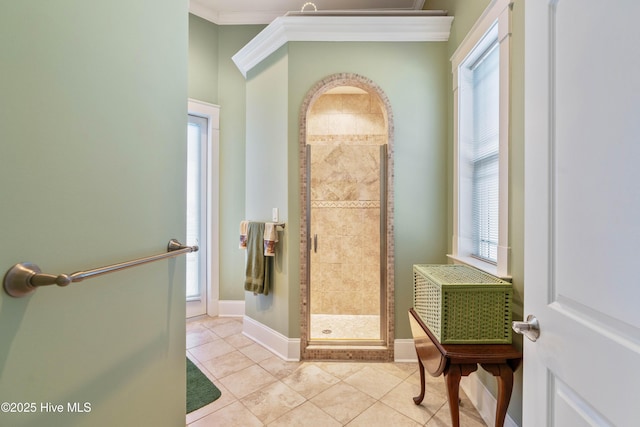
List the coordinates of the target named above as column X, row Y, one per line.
column 24, row 278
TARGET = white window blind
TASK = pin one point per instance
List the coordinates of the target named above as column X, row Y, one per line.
column 485, row 153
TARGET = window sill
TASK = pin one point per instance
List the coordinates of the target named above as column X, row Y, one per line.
column 479, row 264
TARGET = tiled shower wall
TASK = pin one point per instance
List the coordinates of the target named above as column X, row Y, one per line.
column 345, row 132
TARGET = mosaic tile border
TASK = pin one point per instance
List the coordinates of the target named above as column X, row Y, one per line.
column 352, row 139
column 346, row 204
column 386, row 352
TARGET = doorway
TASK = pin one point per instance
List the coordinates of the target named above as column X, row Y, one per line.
column 347, row 265
column 201, row 209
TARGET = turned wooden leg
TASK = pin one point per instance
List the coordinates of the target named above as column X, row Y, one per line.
column 418, row 399
column 504, row 375
column 452, row 378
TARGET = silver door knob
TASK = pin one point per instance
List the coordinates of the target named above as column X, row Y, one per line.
column 530, row 328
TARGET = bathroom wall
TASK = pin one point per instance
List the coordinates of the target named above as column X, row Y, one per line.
column 267, row 185
column 233, row 153
column 345, row 132
column 203, row 59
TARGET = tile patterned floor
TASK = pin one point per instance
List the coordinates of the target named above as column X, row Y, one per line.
column 345, row 326
column 260, row 389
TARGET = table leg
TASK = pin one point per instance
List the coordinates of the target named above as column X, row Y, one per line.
column 418, row 399
column 504, row 375
column 452, row 378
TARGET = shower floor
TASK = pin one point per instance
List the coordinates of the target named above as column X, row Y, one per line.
column 347, row 327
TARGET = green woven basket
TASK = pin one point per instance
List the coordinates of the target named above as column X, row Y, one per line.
column 462, row 305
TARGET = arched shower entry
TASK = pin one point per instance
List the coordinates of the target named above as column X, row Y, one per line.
column 347, row 287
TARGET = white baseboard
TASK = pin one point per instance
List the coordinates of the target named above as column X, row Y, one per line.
column 483, row 400
column 231, row 308
column 286, row 348
column 404, row 351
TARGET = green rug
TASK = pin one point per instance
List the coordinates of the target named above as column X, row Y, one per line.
column 200, row 391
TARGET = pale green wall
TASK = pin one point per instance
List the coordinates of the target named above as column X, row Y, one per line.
column 233, row 154
column 267, row 183
column 92, row 172
column 203, row 60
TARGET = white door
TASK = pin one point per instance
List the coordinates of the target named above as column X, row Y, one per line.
column 582, row 212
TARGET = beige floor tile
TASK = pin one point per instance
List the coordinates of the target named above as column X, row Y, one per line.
column 343, row 402
column 400, row 370
column 340, row 370
column 200, row 335
column 401, row 399
column 248, row 380
column 375, row 382
column 278, row 367
column 256, row 352
column 309, row 380
column 195, row 322
column 380, row 414
column 211, row 350
column 226, row 329
column 258, row 388
column 228, row 364
column 234, row 414
column 212, row 322
column 239, row 340
column 272, row 401
column 467, row 418
column 306, row 415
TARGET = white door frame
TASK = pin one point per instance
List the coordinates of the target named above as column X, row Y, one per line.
column 212, row 113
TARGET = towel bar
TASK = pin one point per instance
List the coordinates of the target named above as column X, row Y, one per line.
column 24, row 278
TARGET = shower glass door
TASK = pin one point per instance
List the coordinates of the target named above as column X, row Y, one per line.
column 347, row 233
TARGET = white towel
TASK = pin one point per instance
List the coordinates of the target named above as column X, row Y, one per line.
column 244, row 225
column 270, row 239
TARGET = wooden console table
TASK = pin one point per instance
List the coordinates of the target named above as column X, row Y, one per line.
column 458, row 360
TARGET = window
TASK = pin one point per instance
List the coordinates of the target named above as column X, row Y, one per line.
column 481, row 138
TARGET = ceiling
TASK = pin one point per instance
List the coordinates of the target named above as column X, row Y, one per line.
column 239, row 12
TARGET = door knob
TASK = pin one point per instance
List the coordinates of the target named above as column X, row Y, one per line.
column 530, row 328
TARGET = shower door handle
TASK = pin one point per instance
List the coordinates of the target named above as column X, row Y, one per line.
column 315, row 243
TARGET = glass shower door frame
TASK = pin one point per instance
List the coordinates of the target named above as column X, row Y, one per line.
column 312, row 245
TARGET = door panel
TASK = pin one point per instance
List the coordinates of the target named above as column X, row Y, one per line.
column 92, row 167
column 582, row 204
column 346, row 286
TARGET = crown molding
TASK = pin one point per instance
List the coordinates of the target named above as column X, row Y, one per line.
column 204, row 10
column 360, row 28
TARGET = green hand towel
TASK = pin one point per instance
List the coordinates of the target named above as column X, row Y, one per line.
column 257, row 271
